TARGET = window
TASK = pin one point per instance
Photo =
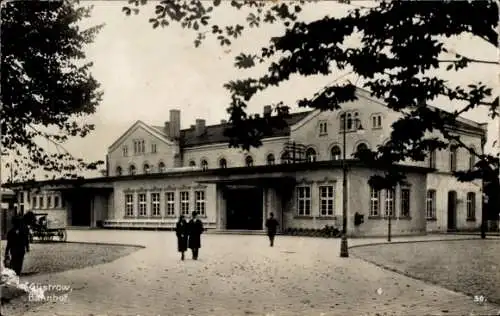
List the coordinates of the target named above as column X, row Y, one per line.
column 131, row 170
column 222, row 163
column 170, row 203
column 21, row 203
column 405, row 202
column 129, row 205
column 199, row 197
column 472, row 160
column 118, row 171
column 374, row 202
column 49, row 201
column 270, row 159
column 361, row 147
column 432, row 159
column 430, row 207
column 376, row 121
column 311, row 155
column 146, row 168
column 453, row 158
column 389, row 202
column 33, row 202
column 327, row 200
column 143, row 210
column 249, row 161
column 285, row 157
column 323, row 128
column 125, row 151
column 161, row 167
column 41, row 202
column 155, row 204
column 304, row 201
column 348, row 124
column 139, row 147
column 57, row 202
column 153, row 148
column 192, row 163
column 204, row 164
column 471, row 205
column 184, row 202
column 335, row 153
column 350, row 121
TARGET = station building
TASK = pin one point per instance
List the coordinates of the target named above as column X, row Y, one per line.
column 156, row 173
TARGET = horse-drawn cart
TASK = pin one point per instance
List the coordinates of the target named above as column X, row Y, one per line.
column 44, row 228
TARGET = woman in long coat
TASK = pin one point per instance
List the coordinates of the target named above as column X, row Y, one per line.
column 181, row 230
column 195, row 231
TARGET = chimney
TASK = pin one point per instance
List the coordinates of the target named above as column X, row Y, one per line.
column 223, row 121
column 200, row 127
column 166, row 129
column 268, row 110
column 175, row 124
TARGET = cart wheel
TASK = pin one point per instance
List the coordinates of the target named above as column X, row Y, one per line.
column 62, row 235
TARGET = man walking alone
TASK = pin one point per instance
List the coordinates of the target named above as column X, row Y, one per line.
column 271, row 225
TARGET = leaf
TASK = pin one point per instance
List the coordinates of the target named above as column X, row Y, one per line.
column 217, row 3
column 449, row 67
column 126, row 10
column 196, row 26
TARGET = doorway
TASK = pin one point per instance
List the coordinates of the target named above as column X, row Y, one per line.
column 452, row 210
column 244, row 209
column 80, row 209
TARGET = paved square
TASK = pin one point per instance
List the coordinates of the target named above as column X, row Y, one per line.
column 242, row 275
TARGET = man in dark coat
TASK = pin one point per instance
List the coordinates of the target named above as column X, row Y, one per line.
column 271, row 225
column 17, row 245
column 181, row 230
column 195, row 231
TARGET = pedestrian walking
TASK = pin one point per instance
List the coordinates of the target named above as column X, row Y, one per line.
column 195, row 231
column 181, row 230
column 17, row 245
column 271, row 225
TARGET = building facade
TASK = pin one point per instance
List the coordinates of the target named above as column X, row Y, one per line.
column 156, row 173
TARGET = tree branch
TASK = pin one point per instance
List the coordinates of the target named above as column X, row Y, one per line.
column 470, row 60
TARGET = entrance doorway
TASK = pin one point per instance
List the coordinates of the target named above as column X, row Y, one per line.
column 452, row 210
column 244, row 209
column 80, row 210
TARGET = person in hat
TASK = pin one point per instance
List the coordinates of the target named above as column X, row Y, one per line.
column 181, row 230
column 272, row 226
column 17, row 245
column 195, row 231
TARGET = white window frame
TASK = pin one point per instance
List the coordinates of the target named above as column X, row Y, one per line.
column 327, row 200
column 142, row 204
column 430, row 204
column 200, row 202
column 390, row 202
column 155, row 204
column 129, row 205
column 374, row 202
column 170, row 203
column 184, row 202
column 471, row 205
column 407, row 200
column 304, row 203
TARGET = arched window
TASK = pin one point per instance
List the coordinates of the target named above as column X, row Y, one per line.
column 118, row 171
column 222, row 163
column 131, row 170
column 161, row 167
column 335, row 153
column 472, row 160
column 361, row 147
column 349, row 122
column 204, row 164
column 453, row 158
column 270, row 159
column 285, row 157
column 192, row 163
column 147, row 168
column 249, row 161
column 311, row 155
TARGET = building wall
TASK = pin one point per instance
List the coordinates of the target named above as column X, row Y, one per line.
column 165, row 152
column 234, row 157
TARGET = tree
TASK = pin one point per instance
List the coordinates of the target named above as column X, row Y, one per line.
column 46, row 88
column 401, row 43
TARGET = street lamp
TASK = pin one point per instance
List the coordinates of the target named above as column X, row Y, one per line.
column 344, row 251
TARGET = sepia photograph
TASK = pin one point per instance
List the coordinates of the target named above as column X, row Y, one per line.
column 249, row 157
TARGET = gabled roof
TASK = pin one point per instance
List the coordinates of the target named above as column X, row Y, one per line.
column 153, row 131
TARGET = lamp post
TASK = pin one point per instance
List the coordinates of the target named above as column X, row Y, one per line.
column 344, row 251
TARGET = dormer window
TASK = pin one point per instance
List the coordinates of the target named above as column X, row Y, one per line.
column 376, row 121
column 323, row 128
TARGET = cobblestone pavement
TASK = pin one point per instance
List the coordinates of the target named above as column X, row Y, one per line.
column 242, row 275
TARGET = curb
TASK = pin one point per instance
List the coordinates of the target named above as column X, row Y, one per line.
column 411, row 242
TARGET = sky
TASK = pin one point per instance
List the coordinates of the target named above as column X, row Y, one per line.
column 144, row 73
